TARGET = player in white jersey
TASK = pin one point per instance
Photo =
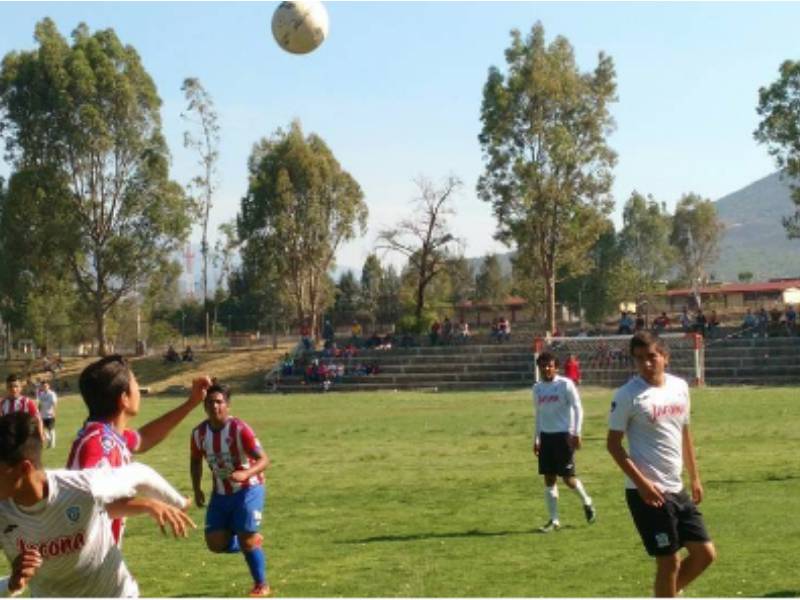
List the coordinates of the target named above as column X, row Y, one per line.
column 559, row 419
column 47, row 410
column 55, row 526
column 652, row 409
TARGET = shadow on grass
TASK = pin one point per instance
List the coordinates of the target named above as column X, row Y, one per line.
column 789, row 477
column 412, row 537
column 783, row 594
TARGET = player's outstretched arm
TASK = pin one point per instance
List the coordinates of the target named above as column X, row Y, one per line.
column 163, row 514
column 157, row 429
column 131, row 480
column 23, row 567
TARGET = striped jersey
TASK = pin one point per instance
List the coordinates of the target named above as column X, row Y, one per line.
column 19, row 404
column 234, row 447
column 71, row 530
column 98, row 444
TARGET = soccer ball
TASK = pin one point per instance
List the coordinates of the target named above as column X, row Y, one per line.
column 300, row 26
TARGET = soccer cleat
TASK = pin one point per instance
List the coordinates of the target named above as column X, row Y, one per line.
column 590, row 512
column 550, row 526
column 261, row 590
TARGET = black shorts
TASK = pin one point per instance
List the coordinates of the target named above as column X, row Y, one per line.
column 555, row 455
column 49, row 423
column 665, row 530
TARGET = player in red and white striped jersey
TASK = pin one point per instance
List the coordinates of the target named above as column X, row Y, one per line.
column 111, row 393
column 54, row 524
column 16, row 402
column 237, row 462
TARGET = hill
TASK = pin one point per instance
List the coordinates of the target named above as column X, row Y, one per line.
column 755, row 239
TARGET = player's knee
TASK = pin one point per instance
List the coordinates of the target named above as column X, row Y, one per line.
column 250, row 541
column 706, row 553
column 669, row 563
column 216, row 543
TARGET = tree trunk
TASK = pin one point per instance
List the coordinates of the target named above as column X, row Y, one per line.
column 204, row 252
column 550, row 296
column 100, row 326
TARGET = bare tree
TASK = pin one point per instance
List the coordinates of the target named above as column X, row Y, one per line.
column 424, row 238
column 200, row 113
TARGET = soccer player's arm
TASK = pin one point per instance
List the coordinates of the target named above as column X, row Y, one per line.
column 537, row 424
column 156, row 430
column 254, row 450
column 689, row 458
column 161, row 512
column 576, row 415
column 196, row 471
column 34, row 411
column 109, row 485
column 617, row 423
column 23, row 568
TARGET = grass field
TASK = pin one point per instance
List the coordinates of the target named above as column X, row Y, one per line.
column 418, row 494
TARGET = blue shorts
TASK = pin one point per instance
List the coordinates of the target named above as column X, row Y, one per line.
column 236, row 512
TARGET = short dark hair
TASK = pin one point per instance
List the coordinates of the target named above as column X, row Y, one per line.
column 546, row 358
column 12, row 378
column 221, row 389
column 102, row 383
column 645, row 339
column 20, row 439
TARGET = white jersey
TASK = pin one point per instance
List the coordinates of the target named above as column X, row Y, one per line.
column 653, row 418
column 72, row 530
column 557, row 405
column 47, row 404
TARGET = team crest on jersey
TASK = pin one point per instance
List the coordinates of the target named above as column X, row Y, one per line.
column 107, row 444
column 73, row 513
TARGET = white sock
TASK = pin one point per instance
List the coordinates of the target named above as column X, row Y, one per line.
column 579, row 489
column 53, row 438
column 551, row 499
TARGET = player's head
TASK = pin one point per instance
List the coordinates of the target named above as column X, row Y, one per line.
column 20, row 450
column 548, row 365
column 650, row 354
column 109, row 388
column 14, row 385
column 45, row 385
column 217, row 403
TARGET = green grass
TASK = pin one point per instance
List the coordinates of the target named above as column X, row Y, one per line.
column 417, row 494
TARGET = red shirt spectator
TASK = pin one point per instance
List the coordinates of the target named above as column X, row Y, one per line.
column 572, row 369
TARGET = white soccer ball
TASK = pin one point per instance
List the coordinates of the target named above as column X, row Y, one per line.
column 300, row 26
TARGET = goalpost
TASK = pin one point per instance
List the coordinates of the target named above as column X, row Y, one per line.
column 606, row 360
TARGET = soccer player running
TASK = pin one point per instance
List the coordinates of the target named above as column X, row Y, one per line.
column 652, row 409
column 237, row 463
column 54, row 524
column 16, row 402
column 111, row 393
column 559, row 418
column 47, row 410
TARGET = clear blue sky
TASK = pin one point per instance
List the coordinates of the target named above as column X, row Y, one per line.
column 396, row 88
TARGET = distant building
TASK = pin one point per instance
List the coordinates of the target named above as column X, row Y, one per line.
column 735, row 296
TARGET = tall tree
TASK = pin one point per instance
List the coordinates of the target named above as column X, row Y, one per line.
column 490, row 285
column 696, row 234
column 462, row 280
column 347, row 297
column 548, row 166
column 371, row 274
column 425, row 239
column 779, row 129
column 299, row 208
column 389, row 296
column 84, row 120
column 644, row 239
column 202, row 115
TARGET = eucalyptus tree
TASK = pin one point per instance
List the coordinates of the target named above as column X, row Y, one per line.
column 300, row 207
column 779, row 129
column 204, row 141
column 425, row 238
column 644, row 240
column 490, row 284
column 83, row 120
column 547, row 164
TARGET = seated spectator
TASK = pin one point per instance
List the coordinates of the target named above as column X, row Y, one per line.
column 625, row 325
column 435, row 332
column 387, row 342
column 328, row 332
column 775, row 315
column 447, row 331
column 686, row 321
column 713, row 324
column 700, row 323
column 374, row 340
column 330, row 350
column 305, row 337
column 463, row 331
column 171, row 355
column 790, row 319
column 749, row 322
column 494, row 331
column 503, row 330
column 572, row 369
column 188, row 354
column 639, row 323
column 661, row 323
column 762, row 322
column 355, row 333
column 287, row 365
